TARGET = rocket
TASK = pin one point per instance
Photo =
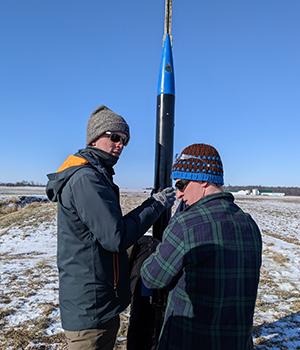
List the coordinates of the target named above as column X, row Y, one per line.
column 154, row 306
column 165, row 107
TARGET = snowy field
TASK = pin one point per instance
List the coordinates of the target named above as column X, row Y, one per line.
column 29, row 316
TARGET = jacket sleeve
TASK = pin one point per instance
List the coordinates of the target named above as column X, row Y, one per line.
column 166, row 263
column 98, row 208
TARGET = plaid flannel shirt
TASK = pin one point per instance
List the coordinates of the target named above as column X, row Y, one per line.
column 209, row 260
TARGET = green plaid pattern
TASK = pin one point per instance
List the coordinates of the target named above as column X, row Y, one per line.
column 209, row 260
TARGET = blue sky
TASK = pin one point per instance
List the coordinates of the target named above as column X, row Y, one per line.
column 237, row 72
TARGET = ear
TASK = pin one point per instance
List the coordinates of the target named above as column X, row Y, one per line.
column 93, row 143
column 204, row 184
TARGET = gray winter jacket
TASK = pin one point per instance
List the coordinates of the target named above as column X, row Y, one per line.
column 93, row 236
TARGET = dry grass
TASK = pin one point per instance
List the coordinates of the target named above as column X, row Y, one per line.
column 5, row 312
column 32, row 279
column 131, row 200
column 31, row 334
column 279, row 258
column 8, row 207
column 271, row 286
column 281, row 237
column 43, row 265
column 31, row 215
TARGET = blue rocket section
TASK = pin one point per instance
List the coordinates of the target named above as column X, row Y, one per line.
column 166, row 81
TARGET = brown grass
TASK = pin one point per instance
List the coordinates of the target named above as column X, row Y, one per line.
column 130, row 201
column 30, row 334
column 5, row 312
column 43, row 265
column 31, row 215
column 281, row 237
column 276, row 256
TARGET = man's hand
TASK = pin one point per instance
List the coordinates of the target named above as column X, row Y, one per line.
column 166, row 197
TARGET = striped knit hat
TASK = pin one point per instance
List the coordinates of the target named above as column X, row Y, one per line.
column 199, row 162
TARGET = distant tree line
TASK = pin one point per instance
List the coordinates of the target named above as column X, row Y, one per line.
column 289, row 191
column 23, row 183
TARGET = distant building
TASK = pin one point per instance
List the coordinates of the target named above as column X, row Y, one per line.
column 270, row 193
column 255, row 192
column 244, row 192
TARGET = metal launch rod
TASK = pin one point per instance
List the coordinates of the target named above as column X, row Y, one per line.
column 168, row 19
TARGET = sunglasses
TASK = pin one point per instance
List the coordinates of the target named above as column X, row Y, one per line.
column 116, row 137
column 180, row 185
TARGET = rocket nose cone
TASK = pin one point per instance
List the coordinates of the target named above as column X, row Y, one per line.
column 166, row 81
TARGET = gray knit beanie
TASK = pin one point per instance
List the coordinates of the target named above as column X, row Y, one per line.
column 104, row 119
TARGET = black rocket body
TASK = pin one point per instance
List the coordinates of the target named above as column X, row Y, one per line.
column 164, row 130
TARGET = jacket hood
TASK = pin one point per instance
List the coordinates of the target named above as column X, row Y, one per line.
column 65, row 171
column 96, row 158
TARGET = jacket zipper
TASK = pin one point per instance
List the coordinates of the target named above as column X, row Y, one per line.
column 116, row 272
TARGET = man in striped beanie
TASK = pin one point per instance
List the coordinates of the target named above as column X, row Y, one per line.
column 199, row 167
column 209, row 259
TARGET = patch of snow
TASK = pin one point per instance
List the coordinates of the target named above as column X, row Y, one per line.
column 27, row 290
column 39, row 240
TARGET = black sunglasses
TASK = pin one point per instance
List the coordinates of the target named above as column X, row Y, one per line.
column 180, row 185
column 116, row 137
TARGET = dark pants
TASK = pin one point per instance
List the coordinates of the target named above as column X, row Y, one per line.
column 94, row 339
column 145, row 322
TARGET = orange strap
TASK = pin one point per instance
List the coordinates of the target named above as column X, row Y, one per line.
column 116, row 269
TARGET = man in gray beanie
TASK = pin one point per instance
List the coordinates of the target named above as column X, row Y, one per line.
column 93, row 235
column 103, row 120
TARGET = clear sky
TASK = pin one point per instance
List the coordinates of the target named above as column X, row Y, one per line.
column 237, row 72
